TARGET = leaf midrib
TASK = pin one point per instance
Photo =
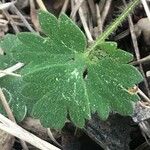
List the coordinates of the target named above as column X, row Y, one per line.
column 46, row 67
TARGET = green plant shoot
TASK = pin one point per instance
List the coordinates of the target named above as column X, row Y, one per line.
column 60, row 79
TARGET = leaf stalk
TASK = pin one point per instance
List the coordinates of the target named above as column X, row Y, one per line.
column 113, row 26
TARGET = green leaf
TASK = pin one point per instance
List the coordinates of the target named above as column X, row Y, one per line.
column 49, row 24
column 11, row 86
column 109, row 49
column 108, row 83
column 60, row 79
column 66, row 91
column 63, row 30
column 75, row 39
column 11, row 89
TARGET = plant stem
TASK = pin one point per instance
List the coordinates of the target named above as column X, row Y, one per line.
column 113, row 26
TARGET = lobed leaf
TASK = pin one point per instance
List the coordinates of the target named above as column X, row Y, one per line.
column 60, row 79
column 11, row 86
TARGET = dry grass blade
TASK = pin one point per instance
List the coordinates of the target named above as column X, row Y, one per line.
column 15, row 10
column 136, row 48
column 34, row 16
column 10, row 70
column 142, row 61
column 92, row 10
column 84, row 22
column 10, row 19
column 6, row 5
column 15, row 130
column 75, row 9
column 99, row 21
column 146, row 8
column 106, row 10
column 144, row 125
column 10, row 114
column 140, row 92
column 65, row 5
column 49, row 132
column 10, row 73
column 41, row 5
